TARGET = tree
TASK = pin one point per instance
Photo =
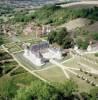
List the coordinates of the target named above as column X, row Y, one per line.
column 83, row 44
column 96, row 54
column 61, row 37
column 37, row 91
column 85, row 96
column 94, row 93
column 67, row 42
column 51, row 37
column 69, row 88
column 7, row 90
column 1, row 41
column 61, row 34
column 95, row 36
column 1, row 69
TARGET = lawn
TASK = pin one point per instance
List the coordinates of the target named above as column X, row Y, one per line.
column 54, row 74
column 92, row 77
column 75, row 62
column 23, row 78
column 68, row 56
column 25, row 61
column 89, row 63
column 82, row 84
column 72, row 63
column 92, row 57
column 19, row 70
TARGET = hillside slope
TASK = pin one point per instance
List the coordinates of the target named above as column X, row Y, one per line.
column 76, row 23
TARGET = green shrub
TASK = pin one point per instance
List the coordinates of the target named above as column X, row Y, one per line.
column 96, row 54
column 95, row 36
column 61, row 37
column 83, row 44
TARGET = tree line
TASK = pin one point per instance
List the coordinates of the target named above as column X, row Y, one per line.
column 61, row 37
column 56, row 15
column 39, row 90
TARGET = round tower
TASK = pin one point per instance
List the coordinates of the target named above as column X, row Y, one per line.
column 89, row 48
column 75, row 47
column 26, row 49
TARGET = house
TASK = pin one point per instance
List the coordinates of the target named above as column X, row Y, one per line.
column 40, row 53
column 92, row 47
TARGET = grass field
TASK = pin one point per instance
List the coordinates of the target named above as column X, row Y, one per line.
column 23, row 78
column 72, row 63
column 91, row 57
column 83, row 85
column 25, row 62
column 54, row 74
column 90, row 63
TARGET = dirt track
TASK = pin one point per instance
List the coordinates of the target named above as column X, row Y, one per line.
column 80, row 3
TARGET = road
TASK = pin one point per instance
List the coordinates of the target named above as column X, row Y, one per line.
column 80, row 3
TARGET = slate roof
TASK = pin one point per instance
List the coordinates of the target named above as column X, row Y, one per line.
column 40, row 46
